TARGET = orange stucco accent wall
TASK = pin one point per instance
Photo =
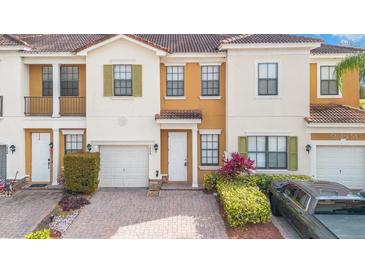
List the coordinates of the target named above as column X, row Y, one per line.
column 350, row 89
column 214, row 111
column 35, row 80
column 338, row 136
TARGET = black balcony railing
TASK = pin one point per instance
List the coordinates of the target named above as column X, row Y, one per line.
column 72, row 106
column 38, row 106
column 1, row 106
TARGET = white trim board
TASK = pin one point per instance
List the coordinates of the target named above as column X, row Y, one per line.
column 210, row 131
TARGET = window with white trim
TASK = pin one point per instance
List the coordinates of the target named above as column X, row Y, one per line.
column 209, row 149
column 175, row 81
column 268, row 152
column 123, row 80
column 267, row 79
column 210, row 80
column 73, row 143
column 328, row 84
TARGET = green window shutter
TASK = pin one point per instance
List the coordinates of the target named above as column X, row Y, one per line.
column 293, row 153
column 108, row 80
column 242, row 145
column 137, row 80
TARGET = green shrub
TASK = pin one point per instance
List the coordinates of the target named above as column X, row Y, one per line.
column 243, row 204
column 264, row 181
column 211, row 180
column 39, row 234
column 81, row 172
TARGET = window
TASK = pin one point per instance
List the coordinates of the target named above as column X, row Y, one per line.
column 73, row 143
column 268, row 79
column 328, row 81
column 210, row 80
column 123, row 80
column 268, row 152
column 209, row 149
column 290, row 190
column 47, row 81
column 301, row 199
column 362, row 87
column 175, row 81
column 69, row 81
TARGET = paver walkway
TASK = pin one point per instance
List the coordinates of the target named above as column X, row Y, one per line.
column 21, row 213
column 127, row 214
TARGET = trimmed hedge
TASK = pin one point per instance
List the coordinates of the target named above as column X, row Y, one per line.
column 262, row 181
column 243, row 204
column 81, row 172
column 39, row 234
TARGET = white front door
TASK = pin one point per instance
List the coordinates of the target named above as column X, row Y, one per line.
column 177, row 156
column 41, row 157
column 342, row 164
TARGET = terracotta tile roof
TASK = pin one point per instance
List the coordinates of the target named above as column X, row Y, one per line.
column 332, row 113
column 173, row 43
column 270, row 38
column 333, row 49
column 10, row 40
column 179, row 114
column 61, row 42
column 187, row 42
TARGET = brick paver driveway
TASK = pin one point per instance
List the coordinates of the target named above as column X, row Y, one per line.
column 21, row 213
column 118, row 213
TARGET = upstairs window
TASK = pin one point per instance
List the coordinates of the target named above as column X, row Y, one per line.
column 210, row 80
column 123, row 80
column 267, row 79
column 268, row 152
column 174, row 81
column 328, row 81
column 362, row 87
column 69, row 81
column 73, row 143
column 47, row 81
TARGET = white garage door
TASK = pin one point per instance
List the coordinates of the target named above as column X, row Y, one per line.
column 123, row 166
column 342, row 164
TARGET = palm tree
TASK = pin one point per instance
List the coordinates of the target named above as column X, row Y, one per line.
column 350, row 63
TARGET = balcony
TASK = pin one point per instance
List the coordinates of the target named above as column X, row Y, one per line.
column 43, row 106
column 72, row 106
column 1, row 106
column 38, row 106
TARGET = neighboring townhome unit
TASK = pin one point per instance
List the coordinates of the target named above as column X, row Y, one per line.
column 336, row 123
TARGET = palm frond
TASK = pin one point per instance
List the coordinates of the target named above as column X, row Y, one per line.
column 350, row 63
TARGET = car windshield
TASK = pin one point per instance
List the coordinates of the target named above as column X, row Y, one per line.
column 345, row 207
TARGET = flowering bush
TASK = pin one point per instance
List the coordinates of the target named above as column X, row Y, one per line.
column 236, row 165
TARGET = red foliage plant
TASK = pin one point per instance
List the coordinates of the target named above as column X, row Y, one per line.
column 235, row 165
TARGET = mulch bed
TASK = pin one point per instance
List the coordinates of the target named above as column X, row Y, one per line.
column 251, row 231
column 254, row 231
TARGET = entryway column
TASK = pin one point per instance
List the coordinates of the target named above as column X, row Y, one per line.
column 56, row 90
column 194, row 140
column 56, row 150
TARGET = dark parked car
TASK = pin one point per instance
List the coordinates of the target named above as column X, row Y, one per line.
column 320, row 210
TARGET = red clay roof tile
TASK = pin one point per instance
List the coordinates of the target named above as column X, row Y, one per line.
column 179, row 114
column 332, row 113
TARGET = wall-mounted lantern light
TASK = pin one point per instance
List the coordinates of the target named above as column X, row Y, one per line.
column 12, row 149
column 308, row 148
column 51, row 145
column 89, row 147
column 155, row 147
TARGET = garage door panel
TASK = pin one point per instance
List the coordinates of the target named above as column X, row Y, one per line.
column 124, row 166
column 342, row 164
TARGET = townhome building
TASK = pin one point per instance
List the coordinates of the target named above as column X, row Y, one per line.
column 171, row 107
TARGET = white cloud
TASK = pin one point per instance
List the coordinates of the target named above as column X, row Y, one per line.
column 351, row 37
